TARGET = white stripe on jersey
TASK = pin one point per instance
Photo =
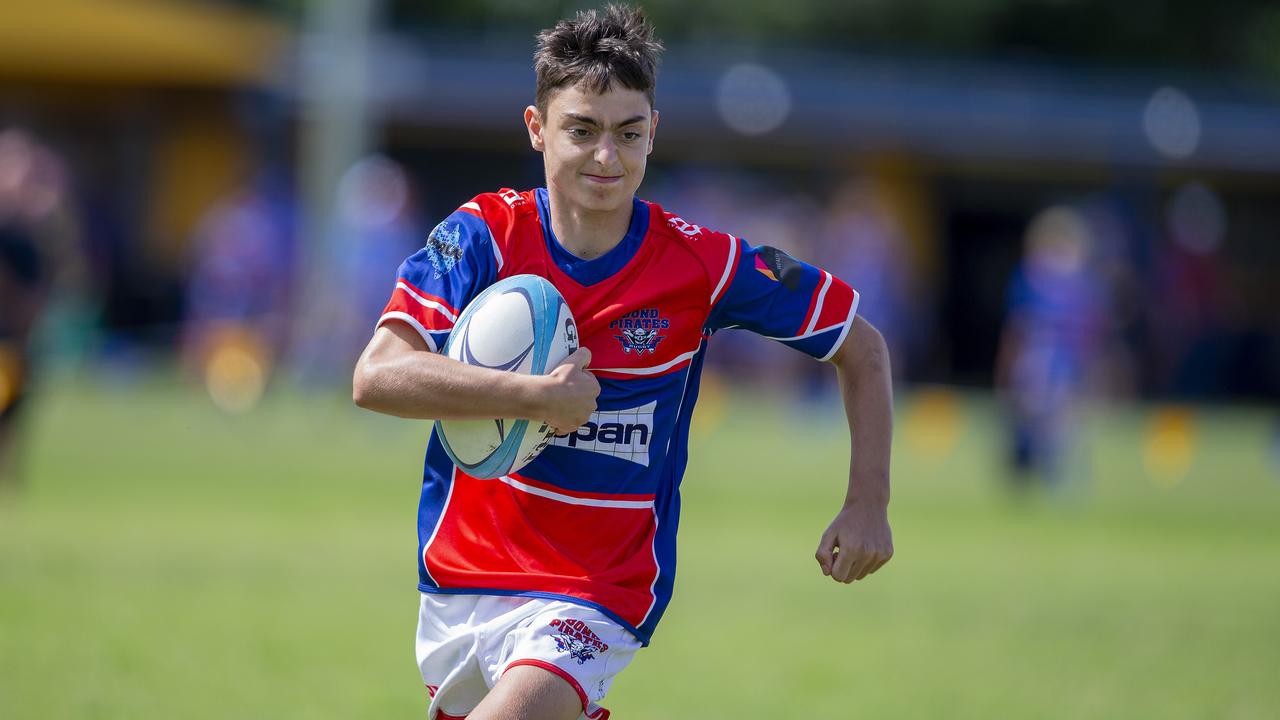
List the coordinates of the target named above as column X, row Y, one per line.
column 425, row 333
column 728, row 268
column 819, row 331
column 853, row 309
column 497, row 254
column 427, row 302
column 651, row 370
column 817, row 306
column 593, row 502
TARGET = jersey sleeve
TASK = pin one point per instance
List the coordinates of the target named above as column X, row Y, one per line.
column 772, row 294
column 435, row 283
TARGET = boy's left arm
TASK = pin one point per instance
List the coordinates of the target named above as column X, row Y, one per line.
column 858, row 542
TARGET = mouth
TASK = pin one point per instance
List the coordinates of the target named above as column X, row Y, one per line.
column 603, row 179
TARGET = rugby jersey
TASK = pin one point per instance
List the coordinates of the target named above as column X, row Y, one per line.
column 593, row 519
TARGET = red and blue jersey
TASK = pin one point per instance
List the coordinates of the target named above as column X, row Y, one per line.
column 593, row 519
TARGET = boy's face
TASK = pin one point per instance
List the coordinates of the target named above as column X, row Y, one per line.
column 594, row 146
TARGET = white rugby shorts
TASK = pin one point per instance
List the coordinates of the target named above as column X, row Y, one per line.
column 466, row 642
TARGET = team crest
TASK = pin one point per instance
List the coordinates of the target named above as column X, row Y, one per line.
column 640, row 331
column 640, row 340
column 576, row 638
column 444, row 247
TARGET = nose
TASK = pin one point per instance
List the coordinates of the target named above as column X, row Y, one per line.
column 606, row 152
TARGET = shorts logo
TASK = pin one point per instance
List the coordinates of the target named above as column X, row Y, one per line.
column 574, row 637
column 444, row 248
column 640, row 330
column 624, row 434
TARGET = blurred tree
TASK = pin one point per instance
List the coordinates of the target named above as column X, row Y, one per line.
column 1240, row 35
column 1225, row 35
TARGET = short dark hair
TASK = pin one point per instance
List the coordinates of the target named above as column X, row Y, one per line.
column 597, row 50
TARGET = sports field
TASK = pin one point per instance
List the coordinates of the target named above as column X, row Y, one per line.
column 166, row 561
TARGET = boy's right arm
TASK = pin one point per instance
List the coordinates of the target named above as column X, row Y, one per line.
column 397, row 374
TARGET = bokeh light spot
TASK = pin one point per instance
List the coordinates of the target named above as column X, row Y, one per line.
column 1170, row 445
column 1171, row 122
column 235, row 373
column 753, row 99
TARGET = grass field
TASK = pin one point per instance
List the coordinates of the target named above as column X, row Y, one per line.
column 165, row 561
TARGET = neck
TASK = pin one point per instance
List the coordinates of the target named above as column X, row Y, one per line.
column 587, row 234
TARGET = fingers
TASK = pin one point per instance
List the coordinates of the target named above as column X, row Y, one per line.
column 843, row 568
column 825, row 555
column 579, row 358
column 849, row 564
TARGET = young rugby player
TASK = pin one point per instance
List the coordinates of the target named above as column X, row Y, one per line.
column 539, row 587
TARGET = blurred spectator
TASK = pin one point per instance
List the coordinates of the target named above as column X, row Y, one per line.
column 1191, row 313
column 376, row 227
column 40, row 259
column 1050, row 338
column 863, row 244
column 239, row 293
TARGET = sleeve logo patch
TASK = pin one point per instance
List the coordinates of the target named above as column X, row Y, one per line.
column 444, row 247
column 779, row 267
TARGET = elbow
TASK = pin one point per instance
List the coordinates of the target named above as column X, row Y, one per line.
column 864, row 346
column 865, row 355
column 363, row 383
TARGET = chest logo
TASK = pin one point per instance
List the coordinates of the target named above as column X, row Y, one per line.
column 640, row 331
column 623, row 434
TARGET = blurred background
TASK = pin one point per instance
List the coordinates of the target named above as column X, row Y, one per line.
column 1063, row 215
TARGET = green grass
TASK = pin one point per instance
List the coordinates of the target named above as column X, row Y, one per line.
column 165, row 561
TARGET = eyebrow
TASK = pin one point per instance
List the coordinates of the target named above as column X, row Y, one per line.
column 588, row 120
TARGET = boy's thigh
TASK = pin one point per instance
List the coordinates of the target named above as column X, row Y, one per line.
column 580, row 645
column 526, row 692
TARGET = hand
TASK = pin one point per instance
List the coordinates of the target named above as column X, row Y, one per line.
column 857, row 543
column 571, row 393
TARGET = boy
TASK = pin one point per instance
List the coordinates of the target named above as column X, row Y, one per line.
column 538, row 588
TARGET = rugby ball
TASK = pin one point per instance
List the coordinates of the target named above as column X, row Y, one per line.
column 520, row 324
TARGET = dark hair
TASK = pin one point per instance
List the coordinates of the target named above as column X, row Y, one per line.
column 597, row 50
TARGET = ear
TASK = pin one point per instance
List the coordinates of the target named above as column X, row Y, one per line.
column 653, row 129
column 533, row 121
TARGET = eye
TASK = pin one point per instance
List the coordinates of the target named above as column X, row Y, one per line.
column 579, row 133
column 631, row 136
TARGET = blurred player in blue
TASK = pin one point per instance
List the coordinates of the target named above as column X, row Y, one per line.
column 1050, row 339
column 538, row 587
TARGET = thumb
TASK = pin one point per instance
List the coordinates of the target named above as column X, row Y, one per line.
column 825, row 556
column 580, row 358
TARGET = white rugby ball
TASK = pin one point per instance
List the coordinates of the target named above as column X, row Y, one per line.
column 520, row 324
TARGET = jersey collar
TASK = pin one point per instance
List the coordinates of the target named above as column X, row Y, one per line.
column 590, row 272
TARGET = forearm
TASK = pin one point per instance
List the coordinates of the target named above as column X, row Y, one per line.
column 430, row 386
column 867, row 390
